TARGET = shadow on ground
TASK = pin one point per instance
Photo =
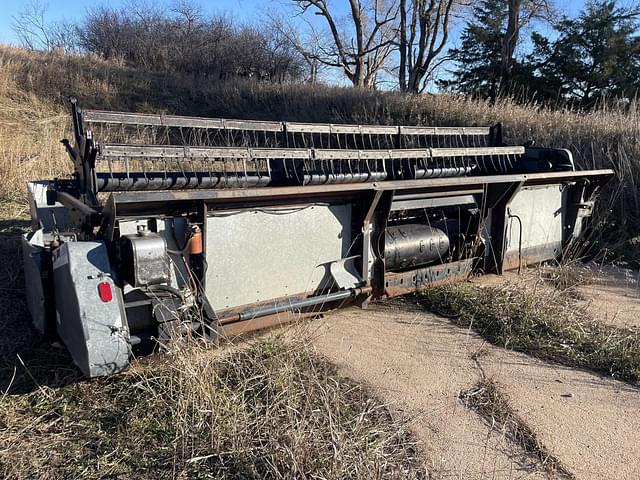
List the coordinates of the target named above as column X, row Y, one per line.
column 27, row 361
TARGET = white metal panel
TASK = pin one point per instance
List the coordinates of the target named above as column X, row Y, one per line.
column 259, row 255
column 542, row 211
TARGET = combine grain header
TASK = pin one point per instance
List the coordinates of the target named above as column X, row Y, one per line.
column 172, row 224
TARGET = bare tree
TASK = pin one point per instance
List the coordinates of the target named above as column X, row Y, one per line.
column 363, row 44
column 34, row 32
column 307, row 43
column 423, row 34
column 520, row 14
column 30, row 27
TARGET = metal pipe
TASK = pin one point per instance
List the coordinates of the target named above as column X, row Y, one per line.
column 510, row 215
column 293, row 305
column 73, row 203
column 141, row 337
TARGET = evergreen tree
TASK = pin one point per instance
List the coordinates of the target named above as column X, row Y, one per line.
column 597, row 55
column 478, row 59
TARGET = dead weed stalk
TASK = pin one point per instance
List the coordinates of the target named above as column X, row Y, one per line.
column 272, row 409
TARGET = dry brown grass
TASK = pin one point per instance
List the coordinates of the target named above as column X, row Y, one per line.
column 31, row 127
column 542, row 321
column 268, row 410
column 34, row 88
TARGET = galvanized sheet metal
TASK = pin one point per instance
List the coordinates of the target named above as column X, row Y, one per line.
column 542, row 211
column 94, row 331
column 257, row 255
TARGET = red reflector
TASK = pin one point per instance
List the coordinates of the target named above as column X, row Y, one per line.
column 104, row 289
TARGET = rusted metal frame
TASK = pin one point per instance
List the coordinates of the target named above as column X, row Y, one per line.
column 210, row 326
column 379, row 226
column 108, row 117
column 168, row 202
column 314, row 190
column 425, row 277
column 414, row 280
column 367, row 228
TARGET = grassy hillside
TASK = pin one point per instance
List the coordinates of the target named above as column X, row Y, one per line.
column 34, row 88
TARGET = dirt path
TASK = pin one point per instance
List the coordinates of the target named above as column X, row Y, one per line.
column 419, row 363
column 613, row 296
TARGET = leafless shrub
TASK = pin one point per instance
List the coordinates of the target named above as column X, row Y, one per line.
column 185, row 40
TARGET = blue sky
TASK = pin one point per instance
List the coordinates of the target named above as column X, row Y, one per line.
column 244, row 10
column 240, row 10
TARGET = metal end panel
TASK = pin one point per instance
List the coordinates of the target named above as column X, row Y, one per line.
column 92, row 326
column 43, row 215
column 34, row 258
column 535, row 225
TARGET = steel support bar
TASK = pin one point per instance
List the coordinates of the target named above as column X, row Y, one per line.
column 327, row 190
column 289, row 306
column 126, row 118
column 216, row 153
column 366, row 237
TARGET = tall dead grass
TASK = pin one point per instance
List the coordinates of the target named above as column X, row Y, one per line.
column 34, row 88
column 272, row 409
column 31, row 127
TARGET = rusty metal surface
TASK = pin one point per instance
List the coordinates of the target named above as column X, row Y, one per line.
column 325, row 190
column 239, row 328
column 531, row 256
column 109, row 117
column 414, row 280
